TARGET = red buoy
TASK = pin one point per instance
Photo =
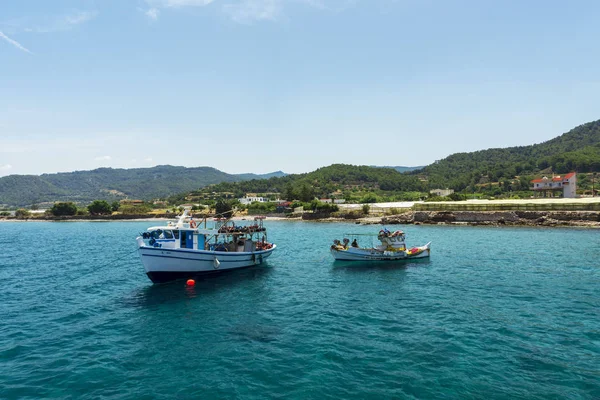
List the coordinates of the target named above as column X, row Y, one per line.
column 191, row 282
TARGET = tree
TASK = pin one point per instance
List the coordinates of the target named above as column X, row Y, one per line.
column 307, row 193
column 288, row 192
column 22, row 213
column 67, row 208
column 115, row 205
column 223, row 208
column 369, row 198
column 100, row 207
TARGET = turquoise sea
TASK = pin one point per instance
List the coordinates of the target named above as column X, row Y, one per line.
column 496, row 313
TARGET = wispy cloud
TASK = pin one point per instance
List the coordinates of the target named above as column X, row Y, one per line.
column 254, row 10
column 178, row 3
column 155, row 5
column 48, row 23
column 103, row 158
column 80, row 17
column 247, row 11
column 14, row 43
column 5, row 167
column 152, row 13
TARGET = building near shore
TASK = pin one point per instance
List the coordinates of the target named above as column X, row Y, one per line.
column 252, row 198
column 556, row 186
column 131, row 202
column 442, row 192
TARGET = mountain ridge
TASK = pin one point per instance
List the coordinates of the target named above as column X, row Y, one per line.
column 113, row 183
column 575, row 150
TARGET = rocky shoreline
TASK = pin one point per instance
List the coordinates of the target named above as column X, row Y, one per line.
column 497, row 218
column 590, row 219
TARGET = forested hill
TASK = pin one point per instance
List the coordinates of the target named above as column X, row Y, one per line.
column 405, row 169
column 111, row 184
column 577, row 150
column 323, row 182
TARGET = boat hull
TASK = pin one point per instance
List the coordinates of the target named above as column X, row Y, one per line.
column 358, row 254
column 163, row 265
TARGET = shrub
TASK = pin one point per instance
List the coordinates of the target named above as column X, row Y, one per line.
column 223, row 208
column 67, row 208
column 365, row 209
column 22, row 213
column 369, row 198
column 258, row 207
column 135, row 209
column 99, row 207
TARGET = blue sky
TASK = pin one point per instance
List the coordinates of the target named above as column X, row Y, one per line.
column 292, row 85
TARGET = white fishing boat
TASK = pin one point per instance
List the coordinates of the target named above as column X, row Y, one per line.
column 392, row 247
column 190, row 247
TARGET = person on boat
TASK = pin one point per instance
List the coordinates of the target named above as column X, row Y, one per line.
column 354, row 243
column 346, row 241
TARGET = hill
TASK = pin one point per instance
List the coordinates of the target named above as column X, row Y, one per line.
column 276, row 174
column 492, row 172
column 337, row 180
column 112, row 184
column 406, row 169
column 576, row 150
column 400, row 168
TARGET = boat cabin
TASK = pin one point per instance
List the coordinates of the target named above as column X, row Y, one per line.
column 224, row 236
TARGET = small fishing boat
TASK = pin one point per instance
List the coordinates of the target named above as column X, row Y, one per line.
column 392, row 247
column 187, row 247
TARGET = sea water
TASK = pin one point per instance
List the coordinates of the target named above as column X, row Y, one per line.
column 494, row 313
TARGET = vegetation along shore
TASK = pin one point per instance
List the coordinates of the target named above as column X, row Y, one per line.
column 392, row 216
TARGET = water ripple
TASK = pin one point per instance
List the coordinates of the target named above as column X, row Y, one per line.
column 495, row 312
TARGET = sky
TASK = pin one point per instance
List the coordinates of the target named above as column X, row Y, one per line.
column 292, row 85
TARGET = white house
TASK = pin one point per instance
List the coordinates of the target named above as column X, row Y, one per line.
column 251, row 199
column 442, row 192
column 546, row 187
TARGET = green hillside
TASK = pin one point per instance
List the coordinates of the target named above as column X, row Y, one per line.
column 110, row 184
column 338, row 180
column 491, row 172
column 577, row 150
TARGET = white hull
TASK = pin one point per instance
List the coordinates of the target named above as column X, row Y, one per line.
column 162, row 264
column 360, row 254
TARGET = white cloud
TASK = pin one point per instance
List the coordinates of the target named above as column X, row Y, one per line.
column 80, row 17
column 331, row 5
column 152, row 13
column 49, row 23
column 177, row 3
column 148, row 159
column 103, row 158
column 246, row 11
column 14, row 43
column 254, row 10
column 155, row 5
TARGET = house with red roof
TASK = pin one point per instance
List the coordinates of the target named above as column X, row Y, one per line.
column 552, row 187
